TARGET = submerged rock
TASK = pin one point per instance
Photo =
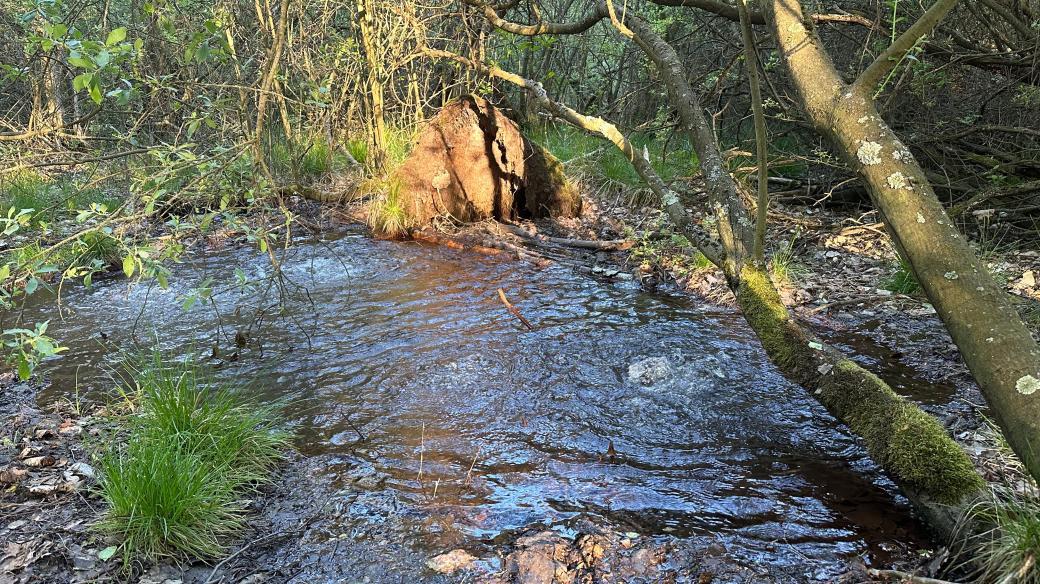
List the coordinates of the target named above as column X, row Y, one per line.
column 472, row 163
column 451, row 562
column 650, row 370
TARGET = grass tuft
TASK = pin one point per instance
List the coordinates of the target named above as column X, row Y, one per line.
column 1005, row 542
column 176, row 483
column 784, row 264
column 902, row 281
column 386, row 214
column 358, row 149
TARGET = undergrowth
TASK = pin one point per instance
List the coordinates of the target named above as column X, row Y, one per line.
column 179, row 469
column 304, row 158
column 581, row 152
column 51, row 198
column 1004, row 539
column 902, row 280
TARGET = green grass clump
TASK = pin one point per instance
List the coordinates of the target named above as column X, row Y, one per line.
column 303, row 158
column 1004, row 545
column 358, row 149
column 604, row 162
column 386, row 214
column 784, row 263
column 902, row 281
column 176, row 483
column 51, row 199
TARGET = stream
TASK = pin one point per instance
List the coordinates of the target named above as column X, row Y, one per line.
column 434, row 420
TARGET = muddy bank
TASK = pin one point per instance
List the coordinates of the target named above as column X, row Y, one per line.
column 46, row 507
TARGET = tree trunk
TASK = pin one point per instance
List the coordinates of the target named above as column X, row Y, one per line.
column 998, row 349
column 376, row 102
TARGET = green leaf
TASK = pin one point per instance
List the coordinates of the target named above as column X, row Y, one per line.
column 95, row 92
column 128, row 266
column 107, row 553
column 5, row 272
column 31, row 286
column 81, row 81
column 24, row 369
column 116, row 36
column 164, row 280
column 43, row 347
column 103, row 58
column 81, row 62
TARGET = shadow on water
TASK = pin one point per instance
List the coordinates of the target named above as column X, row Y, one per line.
column 648, row 413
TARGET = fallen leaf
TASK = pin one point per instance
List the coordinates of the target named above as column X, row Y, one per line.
column 11, row 476
column 51, row 489
column 39, row 461
column 83, row 469
column 107, row 553
column 44, row 433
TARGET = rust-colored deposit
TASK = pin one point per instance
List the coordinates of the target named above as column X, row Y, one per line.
column 472, row 163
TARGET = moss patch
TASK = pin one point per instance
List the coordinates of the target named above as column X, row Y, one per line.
column 908, row 443
column 765, row 312
column 911, row 445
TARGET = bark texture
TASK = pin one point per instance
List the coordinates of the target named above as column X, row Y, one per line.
column 1002, row 355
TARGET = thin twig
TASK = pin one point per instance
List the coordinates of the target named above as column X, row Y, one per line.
column 512, row 309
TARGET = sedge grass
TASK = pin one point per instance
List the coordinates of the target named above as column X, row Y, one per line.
column 180, row 468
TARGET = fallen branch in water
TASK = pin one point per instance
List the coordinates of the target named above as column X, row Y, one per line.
column 897, row 576
column 606, row 245
column 513, row 310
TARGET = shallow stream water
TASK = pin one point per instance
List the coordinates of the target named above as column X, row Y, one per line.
column 646, row 413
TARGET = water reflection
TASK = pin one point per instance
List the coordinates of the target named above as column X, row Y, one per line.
column 401, row 355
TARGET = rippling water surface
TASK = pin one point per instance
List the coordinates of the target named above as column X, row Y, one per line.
column 650, row 413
